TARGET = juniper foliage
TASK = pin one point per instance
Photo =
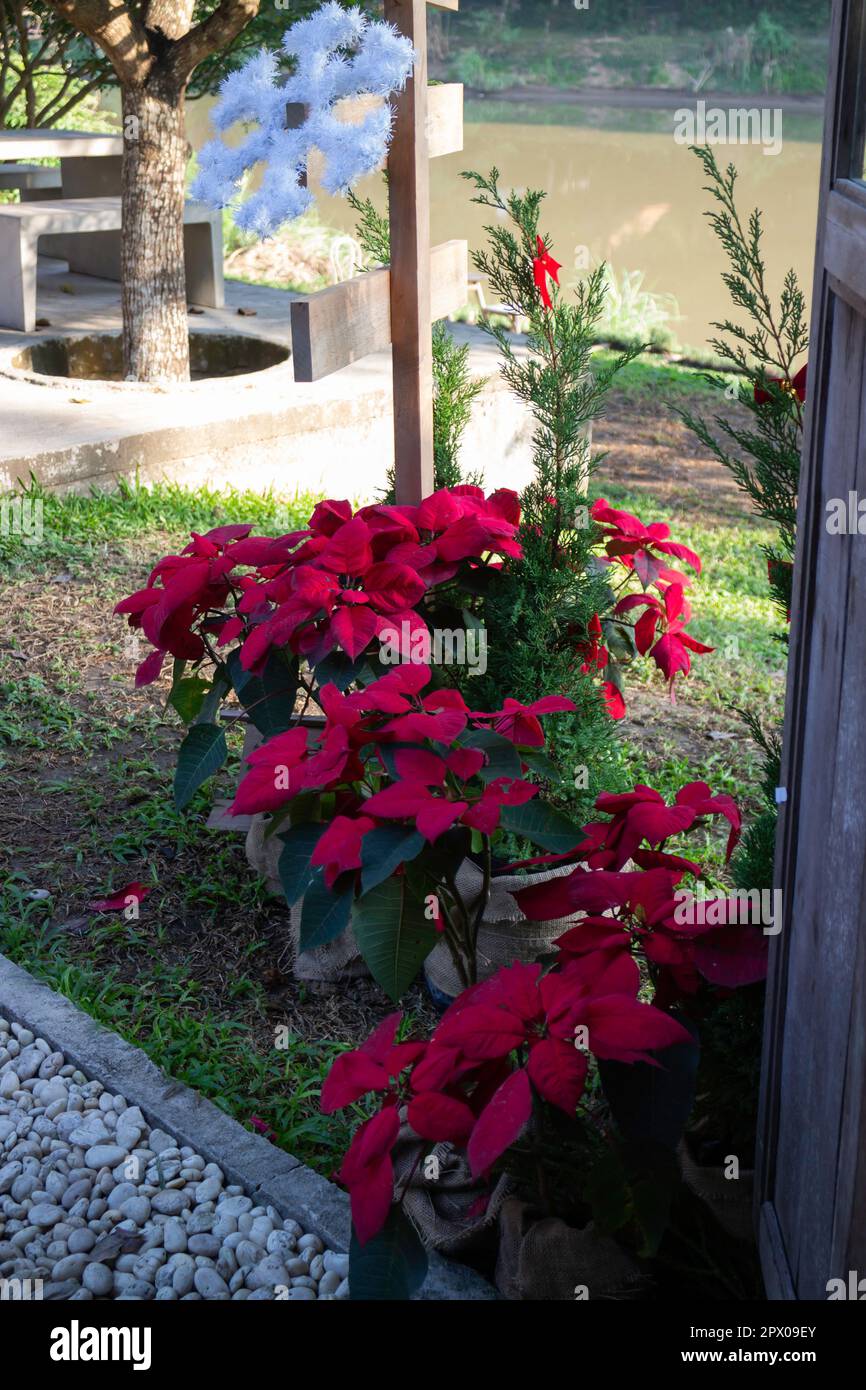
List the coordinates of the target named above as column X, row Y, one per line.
column 537, row 616
column 763, row 456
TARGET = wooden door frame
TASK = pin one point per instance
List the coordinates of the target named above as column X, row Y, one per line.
column 840, row 271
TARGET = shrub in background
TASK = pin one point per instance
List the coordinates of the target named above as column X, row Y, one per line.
column 764, row 459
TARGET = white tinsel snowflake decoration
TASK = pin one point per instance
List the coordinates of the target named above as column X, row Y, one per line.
column 340, row 53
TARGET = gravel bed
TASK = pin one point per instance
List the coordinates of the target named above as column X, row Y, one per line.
column 97, row 1205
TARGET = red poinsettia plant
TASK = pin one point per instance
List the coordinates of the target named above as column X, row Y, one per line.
column 332, row 587
column 630, row 888
column 379, row 778
column 524, row 1036
column 273, row 618
column 530, row 1039
column 377, row 808
column 643, row 553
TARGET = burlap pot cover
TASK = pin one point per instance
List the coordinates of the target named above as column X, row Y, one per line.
column 729, row 1199
column 543, row 1259
column 505, row 935
column 450, row 1209
column 339, row 959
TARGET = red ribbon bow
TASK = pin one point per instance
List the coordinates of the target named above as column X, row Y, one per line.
column 543, row 265
column 796, row 387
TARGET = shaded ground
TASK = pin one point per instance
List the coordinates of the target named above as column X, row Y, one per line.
column 650, row 450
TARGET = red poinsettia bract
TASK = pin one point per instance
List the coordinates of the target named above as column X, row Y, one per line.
column 391, row 751
column 339, row 583
column 521, row 1034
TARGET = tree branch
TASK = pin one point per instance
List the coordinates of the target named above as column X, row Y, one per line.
column 172, row 18
column 215, row 32
column 51, row 114
column 116, row 29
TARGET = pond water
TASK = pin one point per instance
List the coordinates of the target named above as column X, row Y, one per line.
column 621, row 189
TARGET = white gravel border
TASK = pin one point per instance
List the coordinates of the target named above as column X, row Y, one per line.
column 97, row 1204
column 222, row 1174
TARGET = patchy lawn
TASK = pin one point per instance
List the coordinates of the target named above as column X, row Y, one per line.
column 202, row 979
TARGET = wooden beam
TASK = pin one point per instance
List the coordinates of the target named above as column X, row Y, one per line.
column 345, row 322
column 444, row 119
column 411, row 313
column 444, row 116
column 443, row 4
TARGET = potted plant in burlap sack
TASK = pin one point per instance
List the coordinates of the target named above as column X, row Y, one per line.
column 378, row 810
column 562, row 1091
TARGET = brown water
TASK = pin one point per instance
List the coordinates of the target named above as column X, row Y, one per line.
column 619, row 186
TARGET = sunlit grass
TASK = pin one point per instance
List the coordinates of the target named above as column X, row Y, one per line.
column 731, row 607
column 85, row 529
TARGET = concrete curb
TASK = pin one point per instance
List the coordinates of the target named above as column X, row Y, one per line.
column 270, row 1175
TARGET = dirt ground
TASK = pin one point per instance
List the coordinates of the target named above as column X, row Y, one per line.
column 649, row 448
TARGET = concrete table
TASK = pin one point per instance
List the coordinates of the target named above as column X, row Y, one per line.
column 89, row 164
column 97, row 223
column 89, row 168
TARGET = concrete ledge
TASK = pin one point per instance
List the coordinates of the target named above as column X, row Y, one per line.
column 270, row 1175
column 261, row 429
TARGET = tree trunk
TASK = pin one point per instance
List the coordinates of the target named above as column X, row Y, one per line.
column 153, row 281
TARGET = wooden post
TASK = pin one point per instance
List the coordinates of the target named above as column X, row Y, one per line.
column 409, row 213
column 397, row 305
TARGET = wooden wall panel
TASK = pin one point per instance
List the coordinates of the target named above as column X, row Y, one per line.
column 818, row 1176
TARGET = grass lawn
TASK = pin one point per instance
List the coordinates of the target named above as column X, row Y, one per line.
column 202, row 979
column 88, row 766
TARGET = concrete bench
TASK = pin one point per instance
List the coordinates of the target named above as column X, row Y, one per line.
column 32, row 180
column 93, row 226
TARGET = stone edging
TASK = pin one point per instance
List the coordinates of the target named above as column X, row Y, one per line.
column 269, row 1175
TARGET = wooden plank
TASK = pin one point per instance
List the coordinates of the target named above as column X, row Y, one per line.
column 778, row 1285
column 444, row 119
column 819, row 888
column 345, row 322
column 772, row 1157
column 846, row 871
column 443, row 4
column 843, row 246
column 444, row 116
column 411, row 305
column 449, row 287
